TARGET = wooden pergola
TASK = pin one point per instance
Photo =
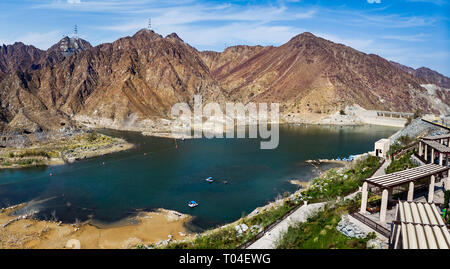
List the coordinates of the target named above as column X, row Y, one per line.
column 435, row 146
column 441, row 138
column 389, row 181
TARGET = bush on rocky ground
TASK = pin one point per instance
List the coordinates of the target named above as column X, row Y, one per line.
column 323, row 232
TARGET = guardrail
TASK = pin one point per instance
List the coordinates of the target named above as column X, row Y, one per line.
column 404, row 149
column 419, row 157
column 372, row 224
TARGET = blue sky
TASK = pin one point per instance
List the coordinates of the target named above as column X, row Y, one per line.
column 413, row 32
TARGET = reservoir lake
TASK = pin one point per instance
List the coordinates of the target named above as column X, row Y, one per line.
column 156, row 174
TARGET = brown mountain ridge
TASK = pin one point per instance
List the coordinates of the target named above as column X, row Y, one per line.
column 135, row 80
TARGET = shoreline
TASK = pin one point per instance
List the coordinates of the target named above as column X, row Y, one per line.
column 130, row 232
column 171, row 225
column 143, row 229
column 62, row 150
column 161, row 127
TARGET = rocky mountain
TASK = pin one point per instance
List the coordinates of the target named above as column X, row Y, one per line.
column 19, row 57
column 426, row 74
column 309, row 74
column 69, row 46
column 221, row 64
column 134, row 81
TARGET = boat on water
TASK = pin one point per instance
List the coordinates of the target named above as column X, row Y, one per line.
column 210, row 179
column 192, row 204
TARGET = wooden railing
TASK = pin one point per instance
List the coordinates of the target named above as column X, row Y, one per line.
column 404, row 149
column 372, row 224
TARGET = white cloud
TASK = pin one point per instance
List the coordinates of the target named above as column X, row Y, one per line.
column 408, row 38
column 38, row 39
column 208, row 26
column 234, row 34
column 389, row 21
column 203, row 13
column 117, row 6
column 436, row 2
column 374, row 1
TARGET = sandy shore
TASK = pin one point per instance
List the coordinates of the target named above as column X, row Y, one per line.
column 145, row 228
column 302, row 184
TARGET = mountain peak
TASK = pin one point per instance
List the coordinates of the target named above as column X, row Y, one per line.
column 304, row 35
column 147, row 33
column 174, row 36
column 307, row 34
column 70, row 45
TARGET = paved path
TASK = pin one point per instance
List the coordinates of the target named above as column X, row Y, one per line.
column 380, row 171
column 300, row 215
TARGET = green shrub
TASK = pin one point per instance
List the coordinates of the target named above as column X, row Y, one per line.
column 400, row 164
column 92, row 137
column 319, row 232
column 394, row 148
column 32, row 153
column 227, row 238
column 29, row 162
column 446, row 198
column 405, row 140
column 417, row 114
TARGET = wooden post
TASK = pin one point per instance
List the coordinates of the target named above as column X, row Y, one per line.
column 420, row 148
column 410, row 192
column 431, row 190
column 364, row 193
column 384, row 203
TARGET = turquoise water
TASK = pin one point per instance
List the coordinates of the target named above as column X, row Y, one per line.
column 169, row 177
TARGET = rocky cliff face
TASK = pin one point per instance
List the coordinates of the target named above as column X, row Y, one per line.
column 19, row 57
column 139, row 78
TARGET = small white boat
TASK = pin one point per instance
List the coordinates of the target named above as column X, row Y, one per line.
column 210, row 179
column 192, row 204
